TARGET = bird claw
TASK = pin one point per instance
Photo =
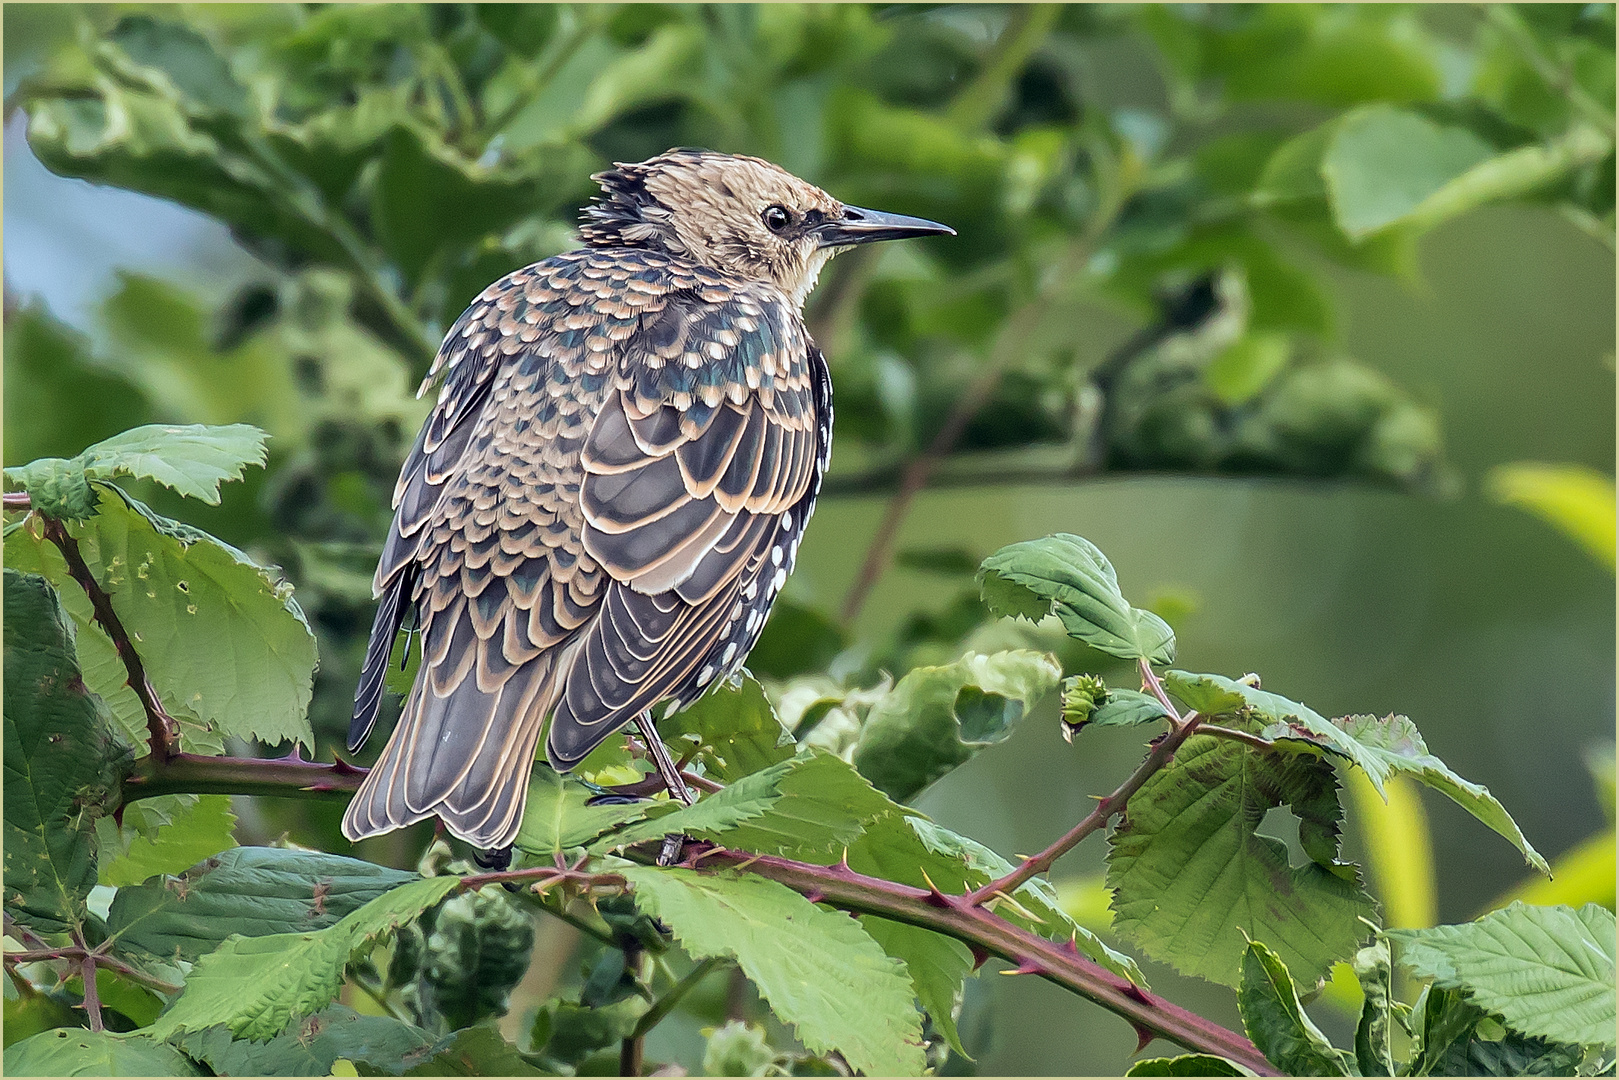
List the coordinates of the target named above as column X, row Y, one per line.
column 672, row 845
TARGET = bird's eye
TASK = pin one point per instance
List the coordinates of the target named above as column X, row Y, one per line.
column 776, row 218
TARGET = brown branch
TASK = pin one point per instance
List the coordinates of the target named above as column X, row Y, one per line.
column 92, row 995
column 953, row 916
column 1057, row 962
column 80, row 953
column 1161, row 754
column 162, row 732
column 198, row 774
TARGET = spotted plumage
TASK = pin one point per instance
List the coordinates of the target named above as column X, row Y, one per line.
column 625, row 448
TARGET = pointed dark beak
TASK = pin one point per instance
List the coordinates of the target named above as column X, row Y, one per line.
column 860, row 226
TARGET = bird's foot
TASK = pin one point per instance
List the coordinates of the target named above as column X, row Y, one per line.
column 494, row 858
column 672, row 849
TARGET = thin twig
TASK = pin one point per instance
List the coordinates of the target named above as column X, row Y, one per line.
column 92, row 993
column 78, row 953
column 1255, row 741
column 1150, row 683
column 1058, row 962
column 162, row 732
column 572, row 920
column 666, row 1004
column 1162, row 753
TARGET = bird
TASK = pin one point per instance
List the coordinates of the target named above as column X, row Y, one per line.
column 625, row 446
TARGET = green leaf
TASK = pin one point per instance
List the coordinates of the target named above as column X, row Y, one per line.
column 1126, row 707
column 1373, row 967
column 1547, row 971
column 199, row 826
column 33, row 1011
column 312, row 1047
column 1277, row 1023
column 1193, row 880
column 1211, row 695
column 249, row 891
column 1577, row 500
column 736, row 730
column 820, row 972
column 192, row 460
column 938, row 966
column 1187, row 1065
column 567, row 1032
column 1393, row 745
column 1456, row 1038
column 557, row 819
column 73, row 1052
column 63, row 762
column 1382, row 163
column 811, row 805
column 220, row 637
column 256, row 986
column 474, row 1051
column 936, row 718
column 1247, row 366
column 796, row 640
column 1067, row 575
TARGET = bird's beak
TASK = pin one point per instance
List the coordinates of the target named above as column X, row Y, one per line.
column 860, row 226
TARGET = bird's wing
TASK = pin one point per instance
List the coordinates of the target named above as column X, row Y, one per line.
column 692, row 471
column 461, row 374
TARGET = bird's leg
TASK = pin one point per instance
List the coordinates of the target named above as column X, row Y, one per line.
column 671, row 780
column 660, row 758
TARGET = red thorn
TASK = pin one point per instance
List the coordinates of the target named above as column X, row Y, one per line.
column 343, row 768
column 815, row 896
column 1070, row 947
column 980, row 957
column 296, row 753
column 118, row 815
column 1143, row 1037
column 1131, row 990
column 1031, row 966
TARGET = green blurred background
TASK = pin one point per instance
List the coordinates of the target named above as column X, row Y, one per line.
column 1493, row 631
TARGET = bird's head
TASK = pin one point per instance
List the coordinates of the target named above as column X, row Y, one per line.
column 737, row 214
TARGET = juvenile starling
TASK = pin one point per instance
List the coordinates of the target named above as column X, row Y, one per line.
column 609, row 493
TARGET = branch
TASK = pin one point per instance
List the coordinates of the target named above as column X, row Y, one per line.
column 666, row 1004
column 954, row 916
column 196, row 774
column 162, row 732
column 1163, row 752
column 77, row 952
column 92, row 996
column 1057, row 962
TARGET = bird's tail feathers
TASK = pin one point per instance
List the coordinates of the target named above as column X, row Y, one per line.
column 462, row 753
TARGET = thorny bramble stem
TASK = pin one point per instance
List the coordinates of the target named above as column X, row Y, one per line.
column 983, row 930
column 92, row 995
